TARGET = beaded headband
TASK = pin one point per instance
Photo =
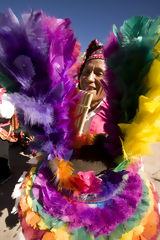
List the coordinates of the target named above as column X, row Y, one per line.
column 94, row 51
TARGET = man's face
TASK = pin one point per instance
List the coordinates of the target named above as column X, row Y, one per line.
column 90, row 80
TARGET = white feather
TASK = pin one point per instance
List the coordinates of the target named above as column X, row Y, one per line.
column 6, row 108
column 17, row 192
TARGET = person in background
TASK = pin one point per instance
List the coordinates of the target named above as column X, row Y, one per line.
column 8, row 122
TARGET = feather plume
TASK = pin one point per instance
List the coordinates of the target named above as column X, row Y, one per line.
column 130, row 62
column 129, row 55
column 63, row 173
column 35, row 57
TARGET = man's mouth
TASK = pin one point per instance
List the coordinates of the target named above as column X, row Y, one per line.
column 90, row 88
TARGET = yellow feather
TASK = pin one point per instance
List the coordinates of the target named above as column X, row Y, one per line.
column 145, row 128
column 42, row 225
column 127, row 236
column 61, row 233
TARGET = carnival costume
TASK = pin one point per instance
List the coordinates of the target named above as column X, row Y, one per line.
column 118, row 203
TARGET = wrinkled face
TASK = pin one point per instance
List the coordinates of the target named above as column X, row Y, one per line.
column 90, row 80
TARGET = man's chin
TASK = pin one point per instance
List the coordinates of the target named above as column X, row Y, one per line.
column 94, row 92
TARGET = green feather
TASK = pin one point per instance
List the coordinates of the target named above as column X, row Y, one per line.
column 81, row 234
column 123, row 164
column 140, row 212
column 49, row 220
column 8, row 83
column 115, row 31
column 139, row 27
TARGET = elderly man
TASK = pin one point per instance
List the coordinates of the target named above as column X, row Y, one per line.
column 90, row 76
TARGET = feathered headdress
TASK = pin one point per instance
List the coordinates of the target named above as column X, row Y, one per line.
column 94, row 50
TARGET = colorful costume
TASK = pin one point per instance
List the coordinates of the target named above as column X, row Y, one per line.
column 118, row 203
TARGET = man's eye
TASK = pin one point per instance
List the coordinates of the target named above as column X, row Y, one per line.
column 99, row 74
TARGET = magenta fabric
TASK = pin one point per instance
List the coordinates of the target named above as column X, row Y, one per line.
column 98, row 121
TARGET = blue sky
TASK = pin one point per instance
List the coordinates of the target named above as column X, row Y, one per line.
column 90, row 18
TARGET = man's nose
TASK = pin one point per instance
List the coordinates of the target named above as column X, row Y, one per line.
column 91, row 77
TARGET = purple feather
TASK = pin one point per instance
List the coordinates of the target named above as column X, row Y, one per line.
column 37, row 54
column 111, row 182
column 8, row 19
column 34, row 112
column 111, row 112
column 24, row 71
column 35, row 33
